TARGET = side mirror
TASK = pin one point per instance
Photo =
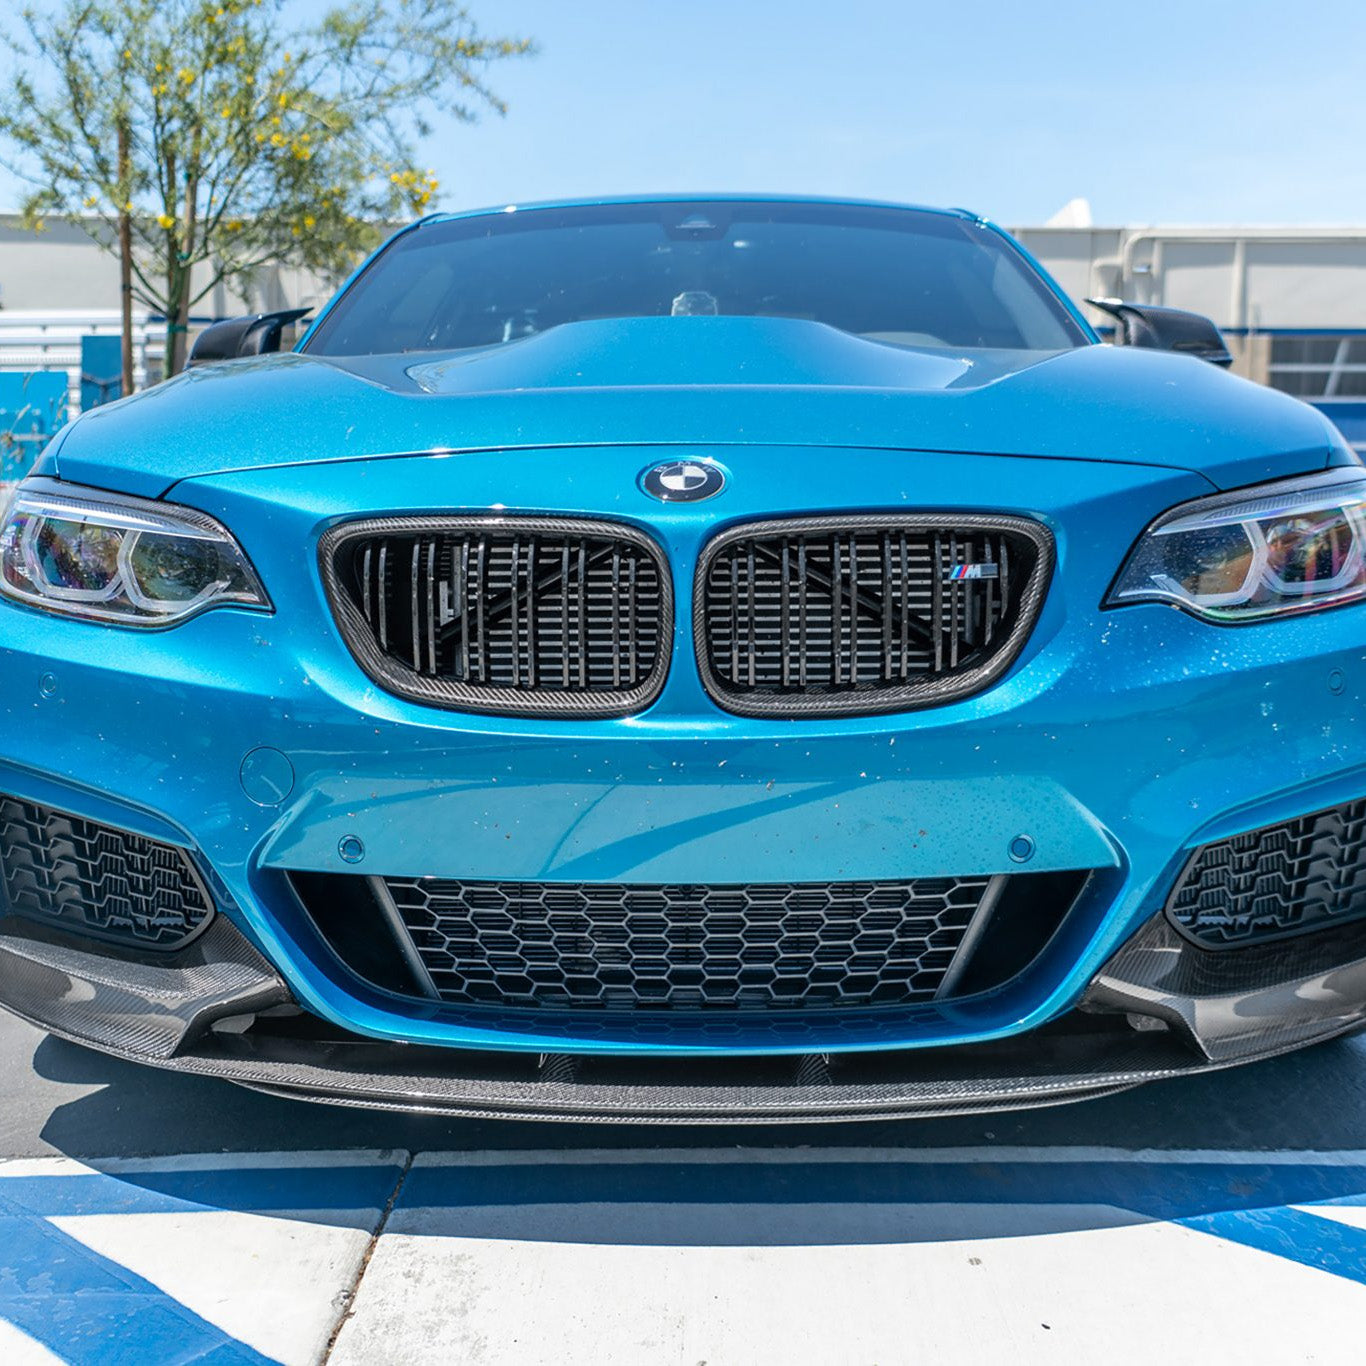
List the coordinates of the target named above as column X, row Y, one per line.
column 254, row 335
column 1166, row 329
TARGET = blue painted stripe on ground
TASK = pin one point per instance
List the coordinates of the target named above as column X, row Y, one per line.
column 329, row 1195
column 1164, row 1191
column 88, row 1309
column 1309, row 1239
column 93, row 1312
column 1159, row 1190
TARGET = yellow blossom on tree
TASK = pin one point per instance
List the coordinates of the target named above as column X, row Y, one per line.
column 299, row 150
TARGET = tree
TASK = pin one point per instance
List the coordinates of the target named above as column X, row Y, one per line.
column 205, row 139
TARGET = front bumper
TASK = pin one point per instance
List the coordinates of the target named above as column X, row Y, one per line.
column 1116, row 743
column 218, row 1009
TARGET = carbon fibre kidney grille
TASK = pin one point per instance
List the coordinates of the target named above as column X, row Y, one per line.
column 530, row 616
column 97, row 880
column 657, row 947
column 1300, row 875
column 863, row 614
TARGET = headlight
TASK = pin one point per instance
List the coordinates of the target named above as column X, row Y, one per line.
column 1281, row 548
column 131, row 561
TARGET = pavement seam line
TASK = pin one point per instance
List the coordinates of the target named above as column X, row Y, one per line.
column 349, row 1302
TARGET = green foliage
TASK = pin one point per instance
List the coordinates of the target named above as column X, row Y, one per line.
column 249, row 140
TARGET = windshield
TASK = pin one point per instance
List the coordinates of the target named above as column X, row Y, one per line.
column 894, row 275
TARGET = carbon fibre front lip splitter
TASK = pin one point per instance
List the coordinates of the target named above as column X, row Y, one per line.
column 172, row 1014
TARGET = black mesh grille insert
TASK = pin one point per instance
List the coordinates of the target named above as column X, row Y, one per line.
column 527, row 615
column 94, row 879
column 865, row 614
column 632, row 947
column 1281, row 880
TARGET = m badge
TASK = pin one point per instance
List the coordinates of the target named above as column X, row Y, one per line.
column 958, row 572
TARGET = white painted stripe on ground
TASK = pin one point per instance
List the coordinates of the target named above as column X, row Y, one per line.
column 18, row 1349
column 1354, row 1216
column 600, row 1157
column 202, row 1162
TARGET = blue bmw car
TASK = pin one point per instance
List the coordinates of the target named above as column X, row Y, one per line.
column 689, row 659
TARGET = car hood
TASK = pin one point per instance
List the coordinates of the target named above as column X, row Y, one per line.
column 698, row 382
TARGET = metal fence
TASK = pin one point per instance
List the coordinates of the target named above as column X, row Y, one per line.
column 52, row 341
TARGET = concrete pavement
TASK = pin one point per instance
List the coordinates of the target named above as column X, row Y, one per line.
column 146, row 1217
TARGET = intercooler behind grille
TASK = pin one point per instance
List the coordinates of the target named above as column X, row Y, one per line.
column 852, row 615
column 527, row 616
column 1282, row 880
column 97, row 880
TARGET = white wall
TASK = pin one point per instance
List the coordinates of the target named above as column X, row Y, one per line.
column 1243, row 278
column 63, row 268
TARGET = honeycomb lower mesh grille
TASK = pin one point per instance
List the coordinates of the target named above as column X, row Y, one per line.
column 676, row 948
column 1301, row 875
column 97, row 880
column 849, row 615
column 523, row 615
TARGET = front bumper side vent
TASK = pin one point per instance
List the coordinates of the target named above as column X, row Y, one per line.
column 1282, row 880
column 97, row 880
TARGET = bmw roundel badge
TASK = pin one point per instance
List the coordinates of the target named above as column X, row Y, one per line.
column 683, row 481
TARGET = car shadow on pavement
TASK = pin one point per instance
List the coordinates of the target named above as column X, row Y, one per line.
column 1268, row 1158
column 406, row 1219
column 1248, row 1156
column 1312, row 1100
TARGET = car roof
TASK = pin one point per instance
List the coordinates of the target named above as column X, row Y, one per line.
column 729, row 197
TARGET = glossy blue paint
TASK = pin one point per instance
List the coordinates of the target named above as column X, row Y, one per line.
column 1117, row 740
column 700, row 382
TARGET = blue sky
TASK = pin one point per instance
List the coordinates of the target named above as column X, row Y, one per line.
column 1200, row 111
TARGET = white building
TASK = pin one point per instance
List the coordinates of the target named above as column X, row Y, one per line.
column 62, row 267
column 1290, row 301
